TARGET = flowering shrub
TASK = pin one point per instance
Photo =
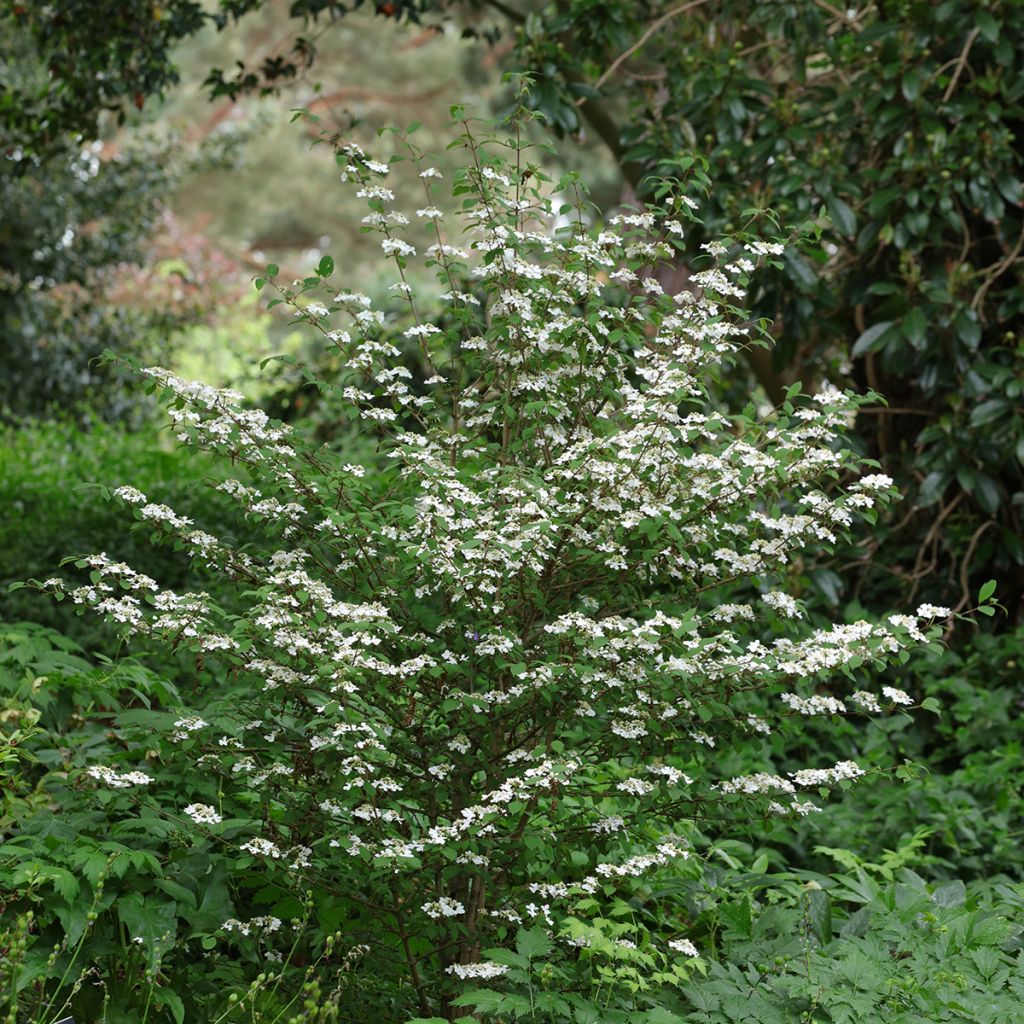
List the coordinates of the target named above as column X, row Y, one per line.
column 492, row 676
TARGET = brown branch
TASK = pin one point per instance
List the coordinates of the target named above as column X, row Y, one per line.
column 654, row 26
column 965, row 565
column 961, row 63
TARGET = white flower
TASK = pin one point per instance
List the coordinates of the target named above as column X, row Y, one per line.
column 131, row 495
column 897, row 696
column 118, row 780
column 684, row 946
column 203, row 814
column 260, row 847
column 783, row 604
column 391, row 246
column 444, row 907
column 867, row 701
column 482, row 971
column 874, row 482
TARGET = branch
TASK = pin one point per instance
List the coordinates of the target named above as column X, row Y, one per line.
column 664, row 19
column 961, row 62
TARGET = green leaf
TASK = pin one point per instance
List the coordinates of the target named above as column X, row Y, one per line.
column 326, row 266
column 842, row 216
column 801, row 272
column 533, row 943
column 950, row 894
column 932, row 705
column 911, row 85
column 933, row 487
column 819, row 914
column 987, row 25
column 273, row 270
column 968, row 329
column 169, row 998
column 915, row 327
column 872, row 339
column 987, row 590
column 987, row 412
column 988, row 493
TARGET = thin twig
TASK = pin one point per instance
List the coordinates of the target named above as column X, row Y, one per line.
column 997, row 271
column 961, row 63
column 965, row 565
column 664, row 19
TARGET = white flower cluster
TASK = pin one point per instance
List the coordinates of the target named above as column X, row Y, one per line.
column 203, row 814
column 118, row 780
column 266, row 925
column 479, row 972
column 444, row 907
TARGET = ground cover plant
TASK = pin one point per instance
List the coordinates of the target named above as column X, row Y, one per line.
column 474, row 723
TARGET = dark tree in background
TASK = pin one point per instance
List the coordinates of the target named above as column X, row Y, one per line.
column 893, row 128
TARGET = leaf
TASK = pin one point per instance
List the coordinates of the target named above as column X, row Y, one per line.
column 988, row 493
column 842, row 216
column 856, row 925
column 915, row 327
column 950, row 894
column 933, row 487
column 216, row 906
column 533, row 943
column 155, row 924
column 911, row 85
column 63, row 881
column 819, row 915
column 326, row 266
column 169, row 998
column 987, row 25
column 800, row 271
column 872, row 339
column 273, row 270
column 829, row 583
column 659, row 1015
column 987, row 590
column 968, row 329
column 987, row 412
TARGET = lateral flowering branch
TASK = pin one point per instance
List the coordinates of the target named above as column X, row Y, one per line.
column 506, row 643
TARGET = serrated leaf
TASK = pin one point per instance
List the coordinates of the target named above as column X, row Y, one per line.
column 533, row 943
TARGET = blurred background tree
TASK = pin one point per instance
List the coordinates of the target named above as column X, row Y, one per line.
column 890, row 128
